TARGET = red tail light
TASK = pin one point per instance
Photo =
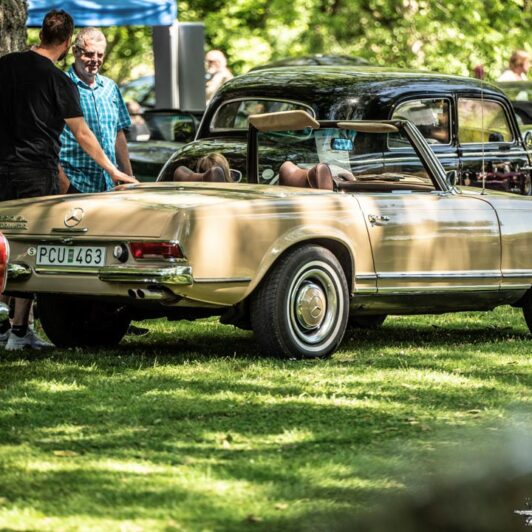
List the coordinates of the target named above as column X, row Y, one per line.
column 4, row 258
column 155, row 250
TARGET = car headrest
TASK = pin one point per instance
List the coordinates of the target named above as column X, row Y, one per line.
column 290, row 175
column 319, row 176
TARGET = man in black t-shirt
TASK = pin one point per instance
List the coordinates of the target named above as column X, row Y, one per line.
column 36, row 100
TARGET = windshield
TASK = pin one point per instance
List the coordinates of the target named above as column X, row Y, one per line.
column 357, row 161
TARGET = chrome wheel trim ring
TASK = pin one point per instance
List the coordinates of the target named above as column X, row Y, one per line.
column 315, row 274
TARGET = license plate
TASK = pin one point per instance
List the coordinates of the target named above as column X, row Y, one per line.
column 84, row 256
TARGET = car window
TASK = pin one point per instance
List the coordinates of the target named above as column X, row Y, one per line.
column 170, row 127
column 233, row 115
column 482, row 121
column 141, row 90
column 431, row 116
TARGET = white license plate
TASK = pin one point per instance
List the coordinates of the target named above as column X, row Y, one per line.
column 70, row 256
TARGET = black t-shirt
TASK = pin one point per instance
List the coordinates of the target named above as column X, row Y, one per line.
column 35, row 99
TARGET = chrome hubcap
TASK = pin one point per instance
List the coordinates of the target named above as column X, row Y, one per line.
column 311, row 306
column 314, row 304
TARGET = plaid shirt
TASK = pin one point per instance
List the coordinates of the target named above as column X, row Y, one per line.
column 106, row 114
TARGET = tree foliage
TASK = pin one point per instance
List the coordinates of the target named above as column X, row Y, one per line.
column 450, row 36
column 441, row 35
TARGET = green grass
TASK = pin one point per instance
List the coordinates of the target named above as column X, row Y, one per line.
column 189, row 428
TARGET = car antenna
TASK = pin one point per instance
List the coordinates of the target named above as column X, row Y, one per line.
column 483, row 165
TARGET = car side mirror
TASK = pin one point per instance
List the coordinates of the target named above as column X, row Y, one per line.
column 452, row 178
column 528, row 140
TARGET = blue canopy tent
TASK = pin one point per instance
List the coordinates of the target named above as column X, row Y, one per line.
column 107, row 12
column 178, row 48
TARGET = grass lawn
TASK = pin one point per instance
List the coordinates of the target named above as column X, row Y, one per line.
column 188, row 428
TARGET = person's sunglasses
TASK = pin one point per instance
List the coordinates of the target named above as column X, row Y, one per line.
column 90, row 55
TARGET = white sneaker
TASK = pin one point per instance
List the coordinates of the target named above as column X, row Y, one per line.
column 4, row 337
column 30, row 339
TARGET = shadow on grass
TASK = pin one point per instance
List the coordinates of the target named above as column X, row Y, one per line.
column 206, row 410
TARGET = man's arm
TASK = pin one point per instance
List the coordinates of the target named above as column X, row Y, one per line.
column 122, row 153
column 64, row 182
column 91, row 147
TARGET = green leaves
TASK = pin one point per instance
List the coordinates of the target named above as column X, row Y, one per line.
column 446, row 36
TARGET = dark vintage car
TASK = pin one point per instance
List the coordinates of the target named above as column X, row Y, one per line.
column 316, row 59
column 155, row 135
column 470, row 125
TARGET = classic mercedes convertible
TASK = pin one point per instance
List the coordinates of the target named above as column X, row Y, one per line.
column 330, row 230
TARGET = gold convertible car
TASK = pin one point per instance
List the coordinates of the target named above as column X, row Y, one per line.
column 328, row 232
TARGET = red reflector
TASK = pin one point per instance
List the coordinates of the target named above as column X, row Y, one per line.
column 146, row 250
column 4, row 258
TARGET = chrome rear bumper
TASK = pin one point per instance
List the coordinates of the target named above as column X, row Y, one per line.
column 172, row 275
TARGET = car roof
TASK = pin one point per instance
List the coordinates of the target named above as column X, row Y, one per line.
column 324, row 78
column 334, row 91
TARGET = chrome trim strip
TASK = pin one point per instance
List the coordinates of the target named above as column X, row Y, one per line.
column 501, row 153
column 60, row 270
column 442, row 275
column 180, row 275
column 223, row 280
column 18, row 272
column 516, row 273
column 69, row 229
column 436, row 289
column 365, row 277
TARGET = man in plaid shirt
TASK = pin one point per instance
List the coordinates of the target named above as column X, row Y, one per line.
column 106, row 114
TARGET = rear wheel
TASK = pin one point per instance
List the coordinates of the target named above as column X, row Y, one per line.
column 73, row 322
column 301, row 308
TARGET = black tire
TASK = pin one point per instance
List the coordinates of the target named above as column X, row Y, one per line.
column 527, row 309
column 73, row 322
column 283, row 310
column 367, row 322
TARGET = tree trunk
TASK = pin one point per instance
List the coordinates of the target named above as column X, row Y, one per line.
column 13, row 15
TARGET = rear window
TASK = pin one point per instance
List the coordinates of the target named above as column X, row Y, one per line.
column 233, row 115
column 482, row 121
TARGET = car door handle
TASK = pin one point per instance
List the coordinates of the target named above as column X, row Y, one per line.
column 376, row 219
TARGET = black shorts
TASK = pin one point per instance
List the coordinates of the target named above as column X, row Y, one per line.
column 25, row 182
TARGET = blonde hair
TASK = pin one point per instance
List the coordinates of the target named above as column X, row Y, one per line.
column 214, row 159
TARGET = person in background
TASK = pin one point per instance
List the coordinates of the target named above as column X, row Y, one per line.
column 36, row 100
column 217, row 73
column 138, row 130
column 479, row 71
column 107, row 116
column 105, row 112
column 519, row 67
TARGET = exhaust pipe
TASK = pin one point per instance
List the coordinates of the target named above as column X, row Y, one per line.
column 150, row 293
column 146, row 293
